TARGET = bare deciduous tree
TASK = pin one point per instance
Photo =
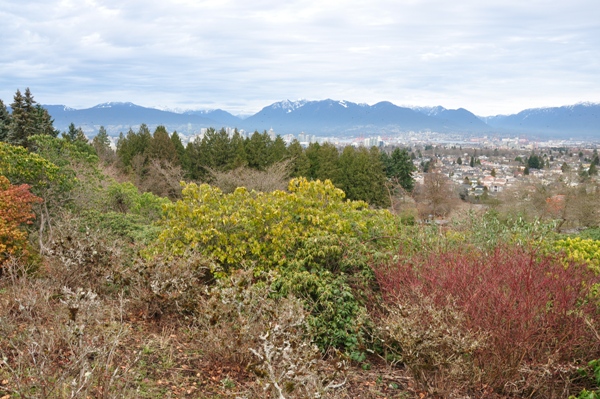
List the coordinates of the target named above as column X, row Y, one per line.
column 436, row 196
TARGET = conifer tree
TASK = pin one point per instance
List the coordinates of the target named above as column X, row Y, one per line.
column 215, row 150
column 22, row 119
column 256, row 149
column 277, row 150
column 300, row 163
column 327, row 162
column 4, row 122
column 44, row 122
column 180, row 150
column 75, row 134
column 238, row 151
column 101, row 144
column 399, row 167
column 161, row 147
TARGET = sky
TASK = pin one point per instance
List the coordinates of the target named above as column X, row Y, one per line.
column 490, row 57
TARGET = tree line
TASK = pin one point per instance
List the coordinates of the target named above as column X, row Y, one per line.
column 362, row 173
column 157, row 161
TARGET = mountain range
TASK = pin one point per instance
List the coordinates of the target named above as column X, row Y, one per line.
column 339, row 118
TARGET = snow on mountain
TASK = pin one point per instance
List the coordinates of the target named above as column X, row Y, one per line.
column 288, row 106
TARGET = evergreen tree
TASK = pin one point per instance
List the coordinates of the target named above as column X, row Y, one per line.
column 215, row 150
column 180, row 149
column 192, row 155
column 459, row 161
column 101, row 144
column 312, row 154
column 277, row 150
column 327, row 162
column 400, row 168
column 238, row 151
column 361, row 175
column 44, row 122
column 161, row 147
column 75, row 134
column 300, row 163
column 133, row 144
column 535, row 162
column 4, row 122
column 256, row 149
column 593, row 170
column 22, row 119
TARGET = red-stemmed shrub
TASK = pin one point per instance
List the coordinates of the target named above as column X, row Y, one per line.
column 529, row 306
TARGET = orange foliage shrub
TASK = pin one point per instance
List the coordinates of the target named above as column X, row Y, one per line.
column 15, row 211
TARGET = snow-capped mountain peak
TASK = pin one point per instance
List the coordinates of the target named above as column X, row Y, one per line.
column 115, row 104
column 289, row 106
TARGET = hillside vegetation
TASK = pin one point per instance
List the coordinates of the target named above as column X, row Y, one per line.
column 139, row 279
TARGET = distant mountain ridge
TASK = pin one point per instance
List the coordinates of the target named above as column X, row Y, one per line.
column 579, row 120
column 339, row 118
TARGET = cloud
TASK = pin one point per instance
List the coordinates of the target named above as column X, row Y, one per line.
column 490, row 57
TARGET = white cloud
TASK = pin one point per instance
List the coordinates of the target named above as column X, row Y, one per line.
column 489, row 57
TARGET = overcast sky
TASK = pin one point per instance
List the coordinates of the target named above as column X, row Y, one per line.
column 489, row 56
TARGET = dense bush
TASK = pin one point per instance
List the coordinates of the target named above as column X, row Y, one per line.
column 581, row 250
column 252, row 229
column 532, row 309
column 320, row 272
column 15, row 212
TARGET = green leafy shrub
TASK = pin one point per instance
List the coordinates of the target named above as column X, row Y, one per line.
column 251, row 229
column 132, row 227
column 320, row 271
column 591, row 234
column 581, row 250
column 125, row 198
column 592, row 371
